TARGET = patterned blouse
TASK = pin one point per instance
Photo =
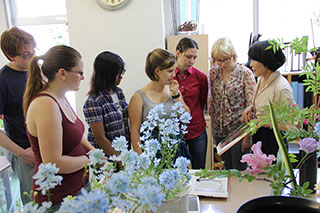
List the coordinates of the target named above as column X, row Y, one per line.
column 227, row 101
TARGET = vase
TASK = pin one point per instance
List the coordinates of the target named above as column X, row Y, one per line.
column 177, row 205
column 279, row 204
column 308, row 170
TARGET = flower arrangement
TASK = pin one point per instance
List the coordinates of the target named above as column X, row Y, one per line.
column 130, row 182
column 303, row 126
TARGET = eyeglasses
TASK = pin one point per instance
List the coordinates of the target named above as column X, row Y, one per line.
column 80, row 73
column 27, row 55
column 224, row 60
column 123, row 72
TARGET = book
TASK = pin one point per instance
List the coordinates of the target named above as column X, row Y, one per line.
column 295, row 88
column 217, row 187
column 300, row 95
column 232, row 139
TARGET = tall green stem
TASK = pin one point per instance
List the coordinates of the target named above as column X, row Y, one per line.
column 282, row 147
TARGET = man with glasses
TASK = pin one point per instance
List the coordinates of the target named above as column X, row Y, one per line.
column 18, row 46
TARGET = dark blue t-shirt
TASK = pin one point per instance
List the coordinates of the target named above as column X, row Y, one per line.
column 12, row 86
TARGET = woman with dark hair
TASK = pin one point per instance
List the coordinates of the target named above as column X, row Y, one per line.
column 193, row 85
column 271, row 86
column 54, row 130
column 160, row 66
column 105, row 109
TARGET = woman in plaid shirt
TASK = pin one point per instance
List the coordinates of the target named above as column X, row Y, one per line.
column 105, row 108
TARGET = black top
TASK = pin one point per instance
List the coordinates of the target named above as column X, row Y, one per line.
column 12, row 87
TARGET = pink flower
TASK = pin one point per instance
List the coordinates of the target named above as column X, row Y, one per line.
column 257, row 160
column 306, row 121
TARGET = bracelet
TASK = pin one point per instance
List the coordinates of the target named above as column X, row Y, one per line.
column 176, row 96
column 87, row 155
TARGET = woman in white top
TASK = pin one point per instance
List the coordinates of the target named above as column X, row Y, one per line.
column 271, row 86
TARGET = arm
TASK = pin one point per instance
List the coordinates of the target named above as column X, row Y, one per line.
column 174, row 89
column 103, row 142
column 135, row 117
column 44, row 121
column 86, row 145
column 249, row 87
column 25, row 154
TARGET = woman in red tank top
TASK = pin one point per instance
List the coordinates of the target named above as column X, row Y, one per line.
column 54, row 130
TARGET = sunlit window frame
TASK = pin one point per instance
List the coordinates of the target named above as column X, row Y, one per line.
column 14, row 20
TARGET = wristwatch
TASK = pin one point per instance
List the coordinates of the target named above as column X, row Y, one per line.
column 176, row 96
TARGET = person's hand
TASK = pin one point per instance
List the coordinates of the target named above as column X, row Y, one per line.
column 246, row 115
column 27, row 156
column 246, row 144
column 174, row 87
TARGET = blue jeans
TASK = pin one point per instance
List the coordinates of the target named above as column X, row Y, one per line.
column 198, row 150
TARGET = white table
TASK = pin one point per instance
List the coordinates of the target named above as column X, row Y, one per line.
column 239, row 193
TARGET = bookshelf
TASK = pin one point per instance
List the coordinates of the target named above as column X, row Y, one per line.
column 293, row 78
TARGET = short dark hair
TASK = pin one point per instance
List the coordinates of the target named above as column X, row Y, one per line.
column 186, row 43
column 12, row 39
column 269, row 58
column 106, row 67
column 158, row 58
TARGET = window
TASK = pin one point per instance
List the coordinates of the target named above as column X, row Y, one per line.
column 289, row 19
column 46, row 20
column 228, row 18
column 235, row 19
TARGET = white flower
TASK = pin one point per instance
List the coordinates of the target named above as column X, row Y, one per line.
column 120, row 143
column 46, row 177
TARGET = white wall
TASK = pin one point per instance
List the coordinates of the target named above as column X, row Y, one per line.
column 132, row 32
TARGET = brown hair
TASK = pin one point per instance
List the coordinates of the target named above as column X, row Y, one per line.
column 55, row 58
column 158, row 58
column 13, row 39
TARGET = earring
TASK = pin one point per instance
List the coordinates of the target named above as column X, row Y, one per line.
column 63, row 78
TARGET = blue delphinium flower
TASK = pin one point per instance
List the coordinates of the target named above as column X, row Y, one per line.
column 156, row 161
column 121, row 202
column 119, row 183
column 46, row 177
column 69, row 204
column 149, row 194
column 182, row 164
column 185, row 118
column 120, row 143
column 128, row 158
column 308, row 145
column 169, row 178
column 95, row 201
column 30, row 208
column 144, row 161
column 96, row 157
column 152, row 146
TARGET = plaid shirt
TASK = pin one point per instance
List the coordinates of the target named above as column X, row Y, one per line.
column 100, row 108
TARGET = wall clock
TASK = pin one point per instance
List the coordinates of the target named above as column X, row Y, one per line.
column 112, row 4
